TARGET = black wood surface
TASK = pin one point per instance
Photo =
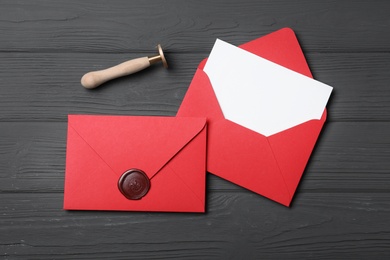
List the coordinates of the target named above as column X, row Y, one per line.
column 342, row 206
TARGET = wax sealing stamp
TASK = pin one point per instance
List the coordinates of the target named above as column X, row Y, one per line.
column 94, row 79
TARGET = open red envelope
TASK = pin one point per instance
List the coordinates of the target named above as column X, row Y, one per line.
column 271, row 166
column 111, row 158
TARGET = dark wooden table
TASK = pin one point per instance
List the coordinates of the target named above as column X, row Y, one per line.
column 342, row 207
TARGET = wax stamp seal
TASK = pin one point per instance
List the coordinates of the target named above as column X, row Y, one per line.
column 134, row 184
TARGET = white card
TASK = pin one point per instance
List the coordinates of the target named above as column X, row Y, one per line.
column 261, row 95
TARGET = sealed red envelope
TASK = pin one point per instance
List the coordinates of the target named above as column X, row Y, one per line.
column 135, row 163
column 270, row 165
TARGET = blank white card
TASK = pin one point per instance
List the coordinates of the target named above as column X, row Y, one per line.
column 261, row 95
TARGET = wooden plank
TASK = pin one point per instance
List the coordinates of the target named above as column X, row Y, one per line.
column 131, row 26
column 350, row 157
column 342, row 207
column 236, row 226
column 49, row 88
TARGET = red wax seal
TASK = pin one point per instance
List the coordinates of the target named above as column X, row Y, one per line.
column 134, row 184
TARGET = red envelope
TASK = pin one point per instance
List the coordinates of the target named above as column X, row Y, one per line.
column 271, row 166
column 166, row 157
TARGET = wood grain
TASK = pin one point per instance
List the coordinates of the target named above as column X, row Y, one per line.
column 53, row 80
column 236, row 226
column 187, row 26
column 341, row 209
column 33, row 159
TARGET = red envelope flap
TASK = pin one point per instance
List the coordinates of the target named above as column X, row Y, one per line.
column 292, row 149
column 200, row 100
column 245, row 158
column 262, row 164
column 281, row 47
column 146, row 143
column 190, row 177
column 98, row 177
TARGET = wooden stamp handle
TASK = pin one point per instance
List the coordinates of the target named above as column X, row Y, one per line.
column 95, row 78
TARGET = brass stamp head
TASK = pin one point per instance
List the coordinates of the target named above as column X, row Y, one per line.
column 159, row 57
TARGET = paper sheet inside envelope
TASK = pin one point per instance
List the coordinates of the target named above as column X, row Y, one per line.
column 261, row 95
